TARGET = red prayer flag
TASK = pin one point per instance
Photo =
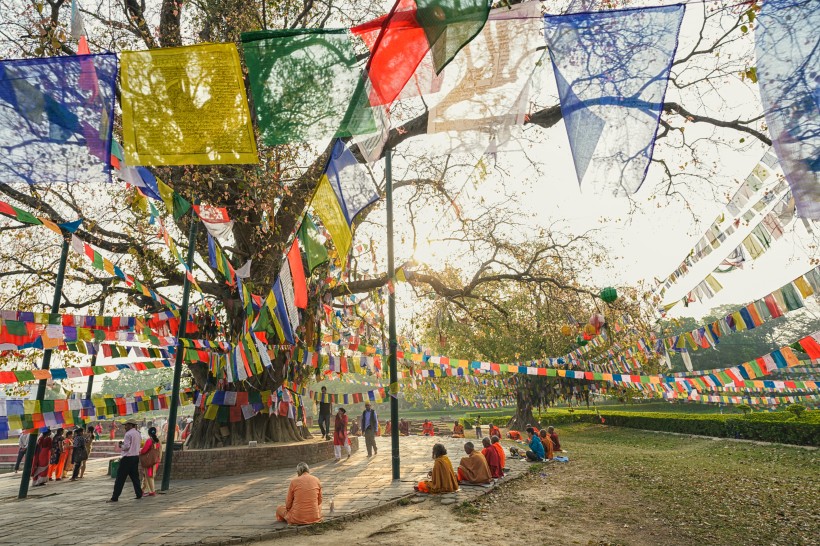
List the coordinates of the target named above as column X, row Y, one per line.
column 397, row 45
column 811, row 347
column 297, row 274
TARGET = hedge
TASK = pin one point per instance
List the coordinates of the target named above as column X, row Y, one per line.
column 769, row 427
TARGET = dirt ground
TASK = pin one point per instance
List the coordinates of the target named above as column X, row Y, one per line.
column 620, row 487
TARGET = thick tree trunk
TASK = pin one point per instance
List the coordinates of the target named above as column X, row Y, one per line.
column 262, row 428
column 525, row 402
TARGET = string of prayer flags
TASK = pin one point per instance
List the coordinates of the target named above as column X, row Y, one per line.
column 53, row 127
column 314, row 248
column 185, row 106
column 22, row 376
column 487, row 87
column 27, row 218
column 306, row 85
column 351, row 182
column 788, row 61
column 288, row 296
column 612, row 70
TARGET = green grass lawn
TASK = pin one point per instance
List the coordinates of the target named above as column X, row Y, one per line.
column 625, row 486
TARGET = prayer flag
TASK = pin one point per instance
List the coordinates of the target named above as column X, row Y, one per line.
column 77, row 26
column 450, row 25
column 314, row 248
column 327, row 207
column 612, row 70
column 297, row 273
column 306, row 85
column 788, row 61
column 175, row 203
column 351, row 182
column 215, row 219
column 487, row 87
column 185, row 106
column 52, row 129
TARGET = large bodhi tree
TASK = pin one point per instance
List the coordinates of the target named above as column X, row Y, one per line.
column 266, row 200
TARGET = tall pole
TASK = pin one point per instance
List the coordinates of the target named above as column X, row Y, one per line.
column 391, row 309
column 41, row 386
column 94, row 357
column 183, row 325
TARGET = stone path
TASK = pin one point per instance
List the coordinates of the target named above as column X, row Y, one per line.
column 215, row 511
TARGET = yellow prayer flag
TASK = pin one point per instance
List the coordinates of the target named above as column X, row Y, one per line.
column 167, row 194
column 31, row 406
column 805, row 288
column 326, row 205
column 185, row 106
column 211, row 412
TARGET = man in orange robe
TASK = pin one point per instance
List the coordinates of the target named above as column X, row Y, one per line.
column 304, row 500
column 548, row 448
column 514, row 435
column 497, row 445
column 493, row 460
column 427, row 429
column 473, row 468
column 494, row 431
column 458, row 430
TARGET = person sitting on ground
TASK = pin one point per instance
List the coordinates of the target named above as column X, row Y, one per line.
column 494, row 430
column 514, row 435
column 493, row 460
column 556, row 445
column 501, row 454
column 304, row 500
column 404, row 427
column 545, row 439
column 473, row 469
column 536, row 451
column 388, row 428
column 427, row 428
column 354, row 428
column 458, row 430
column 442, row 478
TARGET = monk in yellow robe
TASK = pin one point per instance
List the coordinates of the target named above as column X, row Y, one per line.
column 442, row 478
column 458, row 430
column 304, row 500
column 473, row 468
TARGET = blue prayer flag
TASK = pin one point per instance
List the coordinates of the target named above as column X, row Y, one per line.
column 787, row 44
column 56, row 117
column 612, row 69
column 350, row 181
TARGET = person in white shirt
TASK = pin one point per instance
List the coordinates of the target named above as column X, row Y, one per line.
column 129, row 463
column 22, row 447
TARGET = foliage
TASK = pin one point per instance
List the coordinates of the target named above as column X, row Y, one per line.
column 129, row 381
column 797, row 409
column 745, row 408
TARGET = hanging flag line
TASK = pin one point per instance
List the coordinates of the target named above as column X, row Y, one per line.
column 33, row 422
column 760, row 176
column 22, row 376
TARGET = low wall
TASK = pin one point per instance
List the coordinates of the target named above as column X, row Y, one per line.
column 199, row 464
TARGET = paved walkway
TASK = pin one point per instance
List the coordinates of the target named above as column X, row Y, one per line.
column 215, row 511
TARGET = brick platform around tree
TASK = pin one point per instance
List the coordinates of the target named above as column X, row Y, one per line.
column 197, row 464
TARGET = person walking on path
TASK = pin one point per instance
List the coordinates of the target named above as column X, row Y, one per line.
column 370, row 422
column 340, row 435
column 42, row 455
column 89, row 442
column 22, row 446
column 129, row 463
column 82, row 448
column 325, row 409
column 478, row 428
column 150, row 455
column 112, row 431
column 97, row 431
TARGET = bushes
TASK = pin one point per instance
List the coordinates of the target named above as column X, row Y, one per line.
column 778, row 427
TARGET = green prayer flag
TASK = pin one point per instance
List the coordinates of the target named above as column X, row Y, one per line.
column 790, row 296
column 450, row 25
column 315, row 250
column 306, row 85
column 26, row 217
column 16, row 328
column 98, row 260
column 24, row 375
column 47, row 406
